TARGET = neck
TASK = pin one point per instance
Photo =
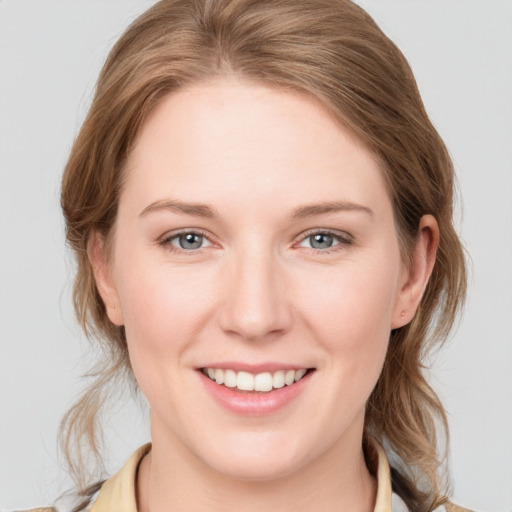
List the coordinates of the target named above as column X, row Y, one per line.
column 172, row 477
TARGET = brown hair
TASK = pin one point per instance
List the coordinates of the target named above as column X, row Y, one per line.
column 333, row 51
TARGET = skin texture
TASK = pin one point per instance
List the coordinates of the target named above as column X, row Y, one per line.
column 256, row 291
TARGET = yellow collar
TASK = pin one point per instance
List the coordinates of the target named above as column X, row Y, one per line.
column 118, row 493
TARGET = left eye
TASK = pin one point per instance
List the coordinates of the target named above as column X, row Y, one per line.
column 321, row 241
column 189, row 241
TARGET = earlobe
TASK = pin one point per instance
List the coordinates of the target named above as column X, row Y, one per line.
column 417, row 275
column 102, row 270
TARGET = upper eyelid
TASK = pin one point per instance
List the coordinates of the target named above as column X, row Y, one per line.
column 333, row 232
column 173, row 234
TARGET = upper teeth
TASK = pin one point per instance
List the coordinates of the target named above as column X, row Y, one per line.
column 245, row 381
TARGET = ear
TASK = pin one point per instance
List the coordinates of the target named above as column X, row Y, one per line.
column 102, row 269
column 416, row 276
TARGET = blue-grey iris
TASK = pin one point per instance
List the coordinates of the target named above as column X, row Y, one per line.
column 190, row 241
column 321, row 241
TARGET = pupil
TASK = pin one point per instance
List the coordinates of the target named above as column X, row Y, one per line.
column 190, row 241
column 321, row 241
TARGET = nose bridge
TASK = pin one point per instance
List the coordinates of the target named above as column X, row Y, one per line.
column 255, row 304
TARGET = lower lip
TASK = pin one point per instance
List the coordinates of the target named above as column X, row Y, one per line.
column 254, row 404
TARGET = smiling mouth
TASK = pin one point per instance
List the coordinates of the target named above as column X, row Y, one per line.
column 245, row 382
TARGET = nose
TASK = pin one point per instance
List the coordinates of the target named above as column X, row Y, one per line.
column 255, row 306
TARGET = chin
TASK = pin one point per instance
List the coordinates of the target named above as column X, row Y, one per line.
column 256, row 458
column 256, row 469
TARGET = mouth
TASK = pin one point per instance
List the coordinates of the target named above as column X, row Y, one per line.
column 260, row 383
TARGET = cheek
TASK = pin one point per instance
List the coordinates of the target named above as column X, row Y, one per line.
column 161, row 306
column 356, row 304
column 164, row 312
column 350, row 313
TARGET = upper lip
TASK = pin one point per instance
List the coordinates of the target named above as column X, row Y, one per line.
column 253, row 368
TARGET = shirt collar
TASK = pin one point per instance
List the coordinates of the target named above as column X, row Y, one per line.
column 383, row 501
column 118, row 493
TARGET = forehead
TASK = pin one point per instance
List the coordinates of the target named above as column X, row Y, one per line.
column 237, row 142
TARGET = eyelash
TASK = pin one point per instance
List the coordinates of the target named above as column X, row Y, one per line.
column 344, row 240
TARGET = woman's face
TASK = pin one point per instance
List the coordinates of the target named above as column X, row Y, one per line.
column 254, row 242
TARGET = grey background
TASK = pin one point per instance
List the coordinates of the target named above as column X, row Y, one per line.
column 50, row 54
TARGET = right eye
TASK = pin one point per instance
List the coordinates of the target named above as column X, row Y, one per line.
column 186, row 241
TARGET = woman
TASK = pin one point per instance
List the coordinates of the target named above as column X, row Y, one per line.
column 261, row 214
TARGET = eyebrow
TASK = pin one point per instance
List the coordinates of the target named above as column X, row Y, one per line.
column 195, row 209
column 301, row 212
